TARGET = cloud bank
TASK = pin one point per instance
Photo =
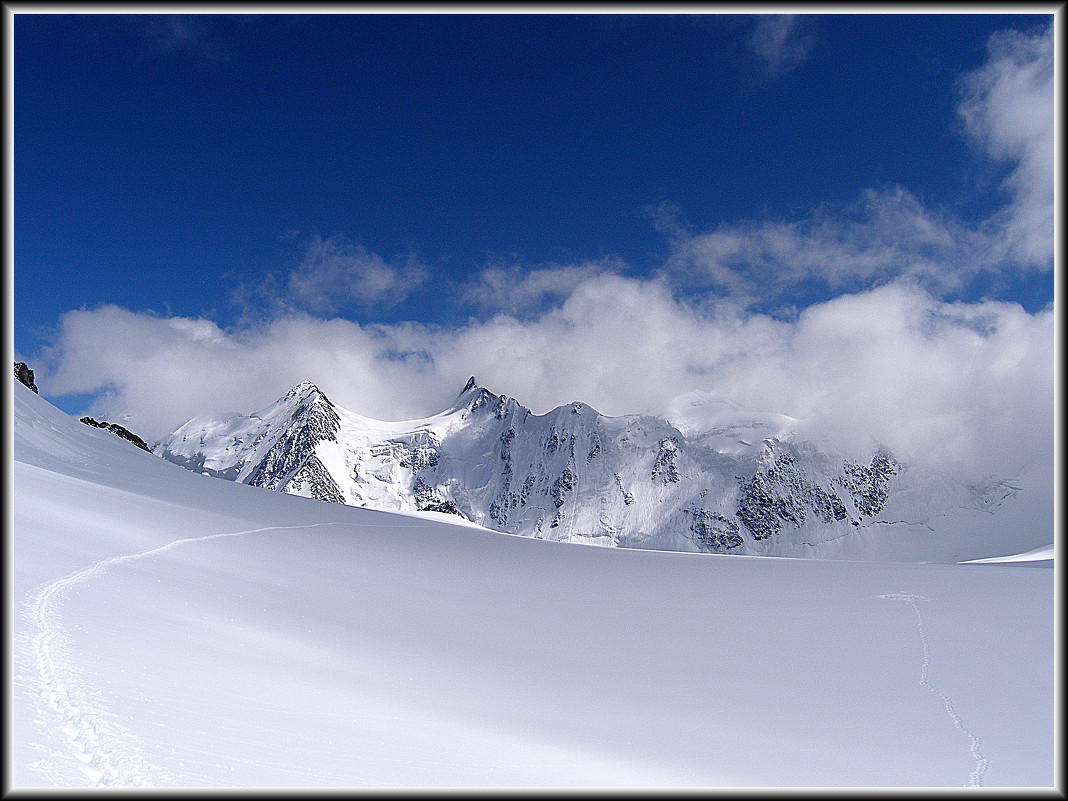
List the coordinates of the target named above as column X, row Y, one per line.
column 968, row 386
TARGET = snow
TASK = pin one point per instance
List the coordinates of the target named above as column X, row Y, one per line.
column 1043, row 554
column 172, row 630
column 635, row 481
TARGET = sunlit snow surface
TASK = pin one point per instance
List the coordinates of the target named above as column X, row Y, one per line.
column 176, row 630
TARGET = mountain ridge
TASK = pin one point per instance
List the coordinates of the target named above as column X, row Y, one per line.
column 571, row 473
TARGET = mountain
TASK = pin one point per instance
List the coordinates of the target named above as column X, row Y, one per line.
column 740, row 483
column 175, row 631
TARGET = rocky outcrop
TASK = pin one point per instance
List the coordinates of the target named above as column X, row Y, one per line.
column 713, row 532
column 782, row 494
column 115, row 428
column 868, row 485
column 25, row 375
column 313, row 480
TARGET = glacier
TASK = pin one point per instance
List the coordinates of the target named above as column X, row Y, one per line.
column 171, row 630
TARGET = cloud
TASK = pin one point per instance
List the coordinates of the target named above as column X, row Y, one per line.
column 518, row 291
column 968, row 387
column 336, row 275
column 199, row 39
column 884, row 235
column 778, row 43
column 1008, row 109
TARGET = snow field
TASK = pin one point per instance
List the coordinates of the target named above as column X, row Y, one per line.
column 177, row 630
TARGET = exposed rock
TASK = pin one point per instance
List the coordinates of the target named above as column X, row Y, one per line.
column 115, row 428
column 25, row 375
column 665, row 467
column 868, row 485
column 314, row 479
column 314, row 420
column 714, row 532
column 780, row 493
column 428, row 500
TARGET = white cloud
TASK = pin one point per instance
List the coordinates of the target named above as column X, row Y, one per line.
column 967, row 386
column 884, row 235
column 337, row 274
column 1008, row 109
column 1007, row 106
column 516, row 290
column 779, row 44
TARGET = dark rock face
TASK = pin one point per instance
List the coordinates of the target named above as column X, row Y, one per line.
column 780, row 493
column 427, row 500
column 665, row 468
column 423, row 451
column 315, row 420
column 25, row 375
column 867, row 485
column 318, row 481
column 115, row 428
column 714, row 532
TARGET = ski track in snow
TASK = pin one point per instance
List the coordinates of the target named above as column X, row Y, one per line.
column 105, row 752
column 975, row 778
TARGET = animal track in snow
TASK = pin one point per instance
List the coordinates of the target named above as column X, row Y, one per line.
column 975, row 778
column 105, row 752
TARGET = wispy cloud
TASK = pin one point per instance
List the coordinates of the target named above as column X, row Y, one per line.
column 884, row 235
column 520, row 291
column 337, row 272
column 779, row 43
column 195, row 35
column 888, row 233
column 336, row 275
column 1008, row 109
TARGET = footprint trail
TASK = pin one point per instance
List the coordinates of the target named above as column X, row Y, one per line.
column 103, row 750
column 975, row 778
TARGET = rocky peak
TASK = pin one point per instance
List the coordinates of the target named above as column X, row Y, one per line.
column 25, row 375
column 314, row 410
column 305, row 390
column 474, row 397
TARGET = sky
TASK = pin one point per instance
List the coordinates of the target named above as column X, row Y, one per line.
column 845, row 218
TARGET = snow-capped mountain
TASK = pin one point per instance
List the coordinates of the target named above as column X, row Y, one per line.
column 741, row 483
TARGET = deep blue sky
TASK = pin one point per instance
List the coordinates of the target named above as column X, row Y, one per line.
column 160, row 164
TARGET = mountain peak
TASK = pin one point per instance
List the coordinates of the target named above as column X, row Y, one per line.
column 469, row 385
column 306, row 390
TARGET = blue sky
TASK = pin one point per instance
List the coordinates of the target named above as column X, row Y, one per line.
column 410, row 192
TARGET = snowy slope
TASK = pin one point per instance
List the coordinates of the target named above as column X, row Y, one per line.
column 726, row 480
column 174, row 630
